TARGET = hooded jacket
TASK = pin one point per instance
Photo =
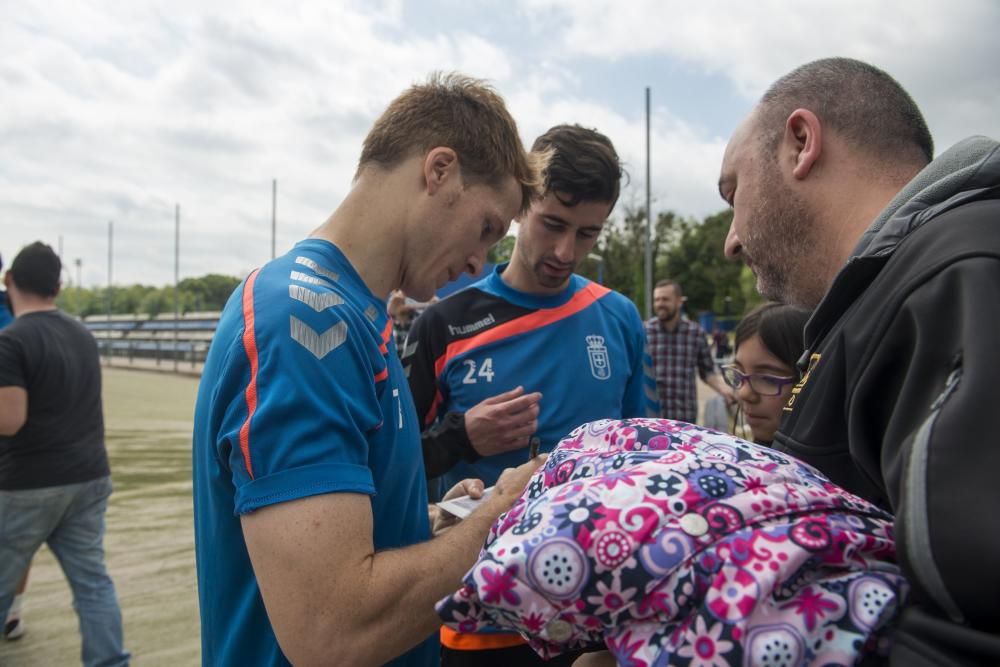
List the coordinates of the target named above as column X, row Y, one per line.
column 900, row 397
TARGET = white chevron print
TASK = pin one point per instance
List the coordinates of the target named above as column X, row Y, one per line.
column 326, row 273
column 314, row 300
column 319, row 344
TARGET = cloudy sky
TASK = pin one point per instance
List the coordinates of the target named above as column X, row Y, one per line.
column 117, row 111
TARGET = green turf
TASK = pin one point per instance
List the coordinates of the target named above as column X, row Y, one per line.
column 150, row 541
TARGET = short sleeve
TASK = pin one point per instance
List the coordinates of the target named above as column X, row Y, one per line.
column 300, row 415
column 11, row 362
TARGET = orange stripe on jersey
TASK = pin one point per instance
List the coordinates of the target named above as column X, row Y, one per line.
column 461, row 641
column 250, row 346
column 384, row 349
column 433, row 411
column 386, row 337
column 525, row 323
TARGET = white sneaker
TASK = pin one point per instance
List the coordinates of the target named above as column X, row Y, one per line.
column 13, row 629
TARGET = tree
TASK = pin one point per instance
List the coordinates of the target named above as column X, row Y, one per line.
column 623, row 248
column 502, row 251
column 209, row 293
column 696, row 261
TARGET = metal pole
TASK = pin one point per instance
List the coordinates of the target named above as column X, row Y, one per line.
column 649, row 222
column 79, row 288
column 274, row 213
column 177, row 271
column 111, row 233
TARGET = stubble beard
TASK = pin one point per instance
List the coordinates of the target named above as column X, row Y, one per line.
column 666, row 316
column 783, row 246
column 547, row 281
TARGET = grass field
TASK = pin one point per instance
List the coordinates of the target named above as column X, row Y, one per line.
column 150, row 540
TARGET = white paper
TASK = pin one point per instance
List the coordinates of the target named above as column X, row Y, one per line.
column 463, row 505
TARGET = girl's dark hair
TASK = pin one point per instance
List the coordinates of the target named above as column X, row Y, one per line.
column 780, row 328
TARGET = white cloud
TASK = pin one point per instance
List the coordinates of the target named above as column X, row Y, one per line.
column 116, row 117
column 944, row 53
column 115, row 111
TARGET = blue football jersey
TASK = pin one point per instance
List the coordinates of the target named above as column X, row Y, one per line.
column 302, row 394
column 584, row 349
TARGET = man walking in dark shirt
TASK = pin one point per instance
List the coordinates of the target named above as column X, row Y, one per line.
column 54, row 473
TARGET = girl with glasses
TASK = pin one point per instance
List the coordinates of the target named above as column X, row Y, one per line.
column 768, row 345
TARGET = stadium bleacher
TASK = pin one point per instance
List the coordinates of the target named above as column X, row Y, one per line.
column 160, row 338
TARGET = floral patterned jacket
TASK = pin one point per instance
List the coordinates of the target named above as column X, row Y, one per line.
column 677, row 545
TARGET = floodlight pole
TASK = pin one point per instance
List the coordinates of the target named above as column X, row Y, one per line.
column 649, row 222
column 177, row 270
column 274, row 214
column 111, row 234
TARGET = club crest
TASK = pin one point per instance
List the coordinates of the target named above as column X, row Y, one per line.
column 600, row 364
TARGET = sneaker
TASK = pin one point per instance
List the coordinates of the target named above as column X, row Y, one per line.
column 13, row 629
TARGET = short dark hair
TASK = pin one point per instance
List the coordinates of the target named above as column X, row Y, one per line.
column 780, row 327
column 668, row 282
column 461, row 113
column 36, row 270
column 866, row 106
column 584, row 166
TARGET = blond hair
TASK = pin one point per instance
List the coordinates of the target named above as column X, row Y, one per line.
column 461, row 113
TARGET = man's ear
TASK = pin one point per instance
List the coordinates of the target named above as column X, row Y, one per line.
column 440, row 166
column 802, row 142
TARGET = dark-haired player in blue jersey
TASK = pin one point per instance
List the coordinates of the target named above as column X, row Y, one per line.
column 479, row 361
column 310, row 502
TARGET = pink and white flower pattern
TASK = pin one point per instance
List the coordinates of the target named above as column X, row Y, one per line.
column 676, row 545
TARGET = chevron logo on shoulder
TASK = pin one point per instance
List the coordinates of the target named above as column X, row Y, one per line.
column 320, row 344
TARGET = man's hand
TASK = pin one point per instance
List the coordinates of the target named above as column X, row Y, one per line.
column 397, row 306
column 512, row 483
column 503, row 422
column 441, row 520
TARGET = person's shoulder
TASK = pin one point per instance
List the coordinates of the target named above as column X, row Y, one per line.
column 616, row 299
column 620, row 305
column 454, row 306
column 691, row 326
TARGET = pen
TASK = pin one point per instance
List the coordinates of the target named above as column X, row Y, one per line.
column 533, row 444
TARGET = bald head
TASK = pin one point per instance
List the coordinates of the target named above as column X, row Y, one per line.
column 867, row 109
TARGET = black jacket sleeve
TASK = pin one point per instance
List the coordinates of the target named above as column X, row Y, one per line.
column 443, row 439
column 931, row 386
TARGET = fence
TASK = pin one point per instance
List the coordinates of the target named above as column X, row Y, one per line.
column 137, row 337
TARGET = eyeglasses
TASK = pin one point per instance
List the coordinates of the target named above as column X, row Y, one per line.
column 765, row 385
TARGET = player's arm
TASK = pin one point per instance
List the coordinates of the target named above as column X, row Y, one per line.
column 443, row 440
column 331, row 597
column 13, row 409
column 493, row 426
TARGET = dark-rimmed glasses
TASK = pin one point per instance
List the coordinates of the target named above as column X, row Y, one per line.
column 765, row 385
